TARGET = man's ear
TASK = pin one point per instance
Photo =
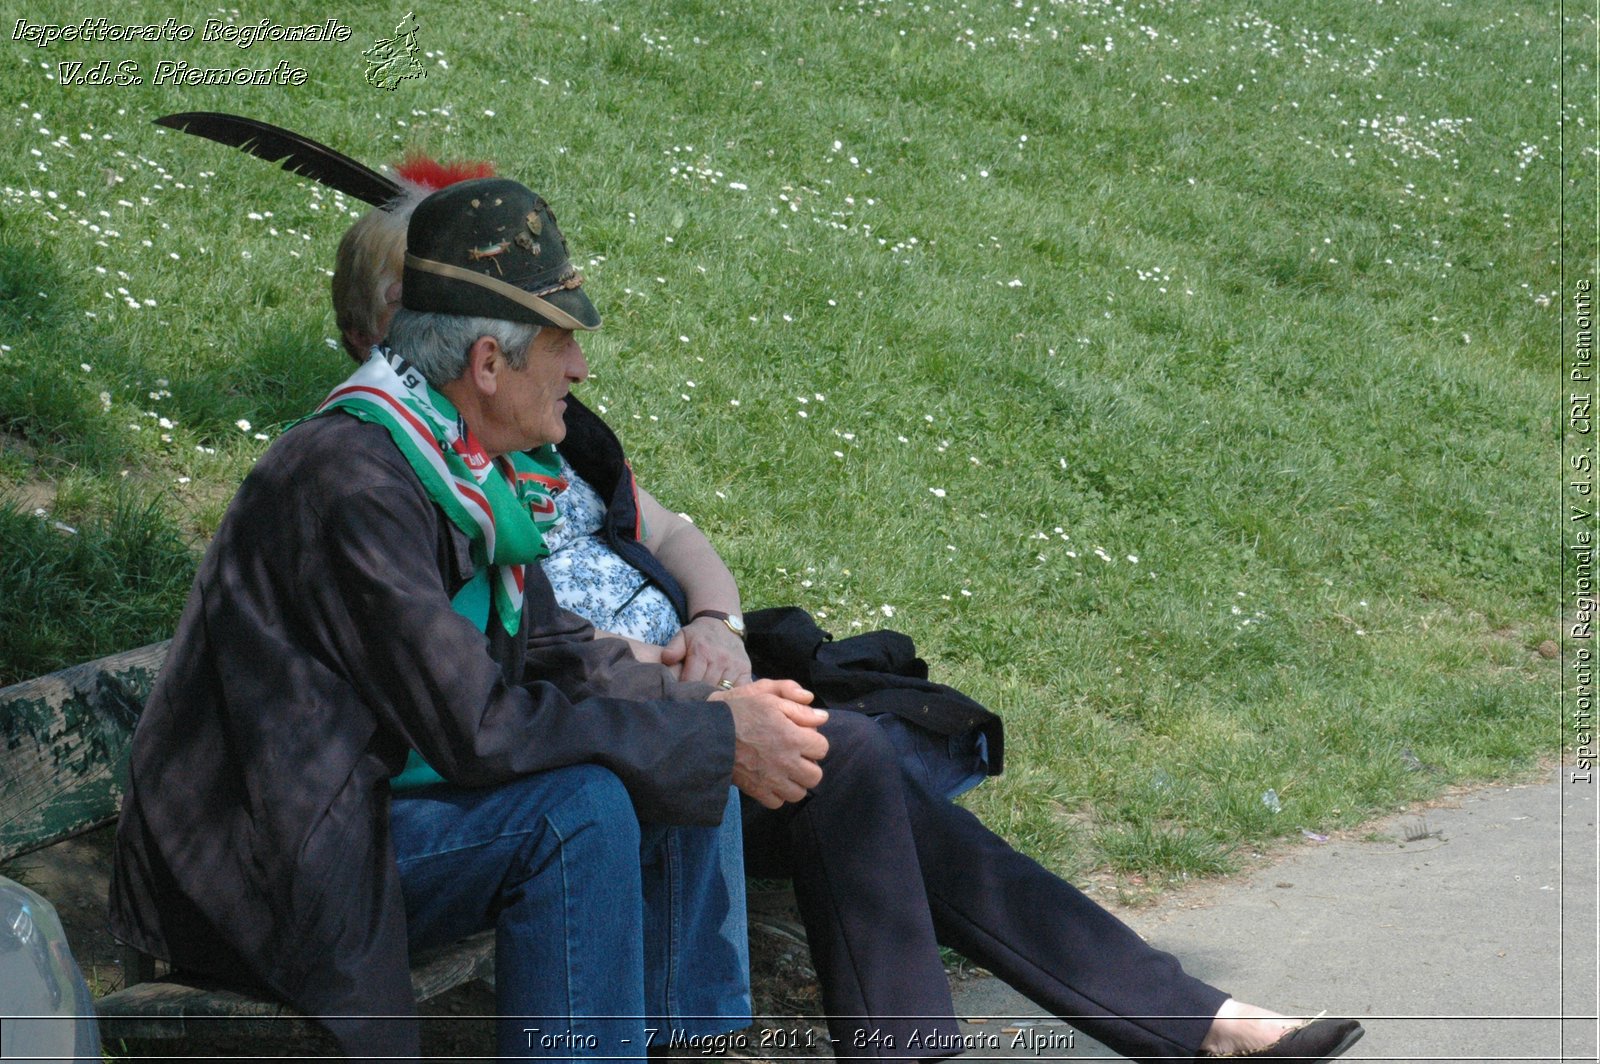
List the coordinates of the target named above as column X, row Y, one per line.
column 485, row 362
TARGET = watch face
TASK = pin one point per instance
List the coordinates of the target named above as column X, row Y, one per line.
column 736, row 622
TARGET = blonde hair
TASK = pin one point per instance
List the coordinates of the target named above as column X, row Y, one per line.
column 371, row 258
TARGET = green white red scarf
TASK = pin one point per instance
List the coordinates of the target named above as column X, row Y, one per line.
column 504, row 506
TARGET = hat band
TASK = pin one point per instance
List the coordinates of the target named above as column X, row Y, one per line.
column 522, row 297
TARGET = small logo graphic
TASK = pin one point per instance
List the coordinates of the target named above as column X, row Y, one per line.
column 394, row 59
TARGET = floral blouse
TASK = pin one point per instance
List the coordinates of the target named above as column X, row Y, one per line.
column 592, row 580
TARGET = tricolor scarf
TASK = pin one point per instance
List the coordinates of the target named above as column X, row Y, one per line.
column 503, row 506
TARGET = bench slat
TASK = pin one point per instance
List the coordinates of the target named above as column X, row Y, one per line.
column 64, row 747
column 165, row 1008
column 444, row 969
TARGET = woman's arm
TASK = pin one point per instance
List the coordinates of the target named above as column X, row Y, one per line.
column 706, row 649
column 647, row 652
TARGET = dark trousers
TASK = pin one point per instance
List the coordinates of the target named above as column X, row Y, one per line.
column 884, row 871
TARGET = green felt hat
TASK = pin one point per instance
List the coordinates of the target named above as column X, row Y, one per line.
column 490, row 248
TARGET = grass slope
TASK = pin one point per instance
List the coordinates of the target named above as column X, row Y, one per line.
column 1179, row 380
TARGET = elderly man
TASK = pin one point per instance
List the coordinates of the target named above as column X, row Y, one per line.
column 376, row 732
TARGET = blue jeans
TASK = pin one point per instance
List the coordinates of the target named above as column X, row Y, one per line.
column 608, row 935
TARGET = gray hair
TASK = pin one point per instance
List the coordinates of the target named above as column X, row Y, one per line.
column 437, row 344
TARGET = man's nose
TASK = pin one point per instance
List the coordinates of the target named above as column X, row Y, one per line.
column 577, row 365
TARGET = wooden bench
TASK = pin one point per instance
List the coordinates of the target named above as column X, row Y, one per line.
column 64, row 742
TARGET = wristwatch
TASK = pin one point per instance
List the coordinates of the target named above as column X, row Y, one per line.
column 734, row 622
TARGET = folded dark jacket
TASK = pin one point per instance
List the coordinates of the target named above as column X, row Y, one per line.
column 875, row 673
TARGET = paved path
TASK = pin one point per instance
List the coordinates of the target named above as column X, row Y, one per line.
column 1470, row 944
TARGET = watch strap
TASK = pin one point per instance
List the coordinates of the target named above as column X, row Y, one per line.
column 726, row 618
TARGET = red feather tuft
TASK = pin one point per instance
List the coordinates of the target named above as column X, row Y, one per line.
column 434, row 175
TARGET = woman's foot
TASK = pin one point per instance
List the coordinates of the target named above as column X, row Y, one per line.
column 1241, row 1030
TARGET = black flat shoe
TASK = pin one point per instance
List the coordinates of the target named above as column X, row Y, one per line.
column 1317, row 1040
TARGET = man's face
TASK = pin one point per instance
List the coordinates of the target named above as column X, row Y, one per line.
column 528, row 406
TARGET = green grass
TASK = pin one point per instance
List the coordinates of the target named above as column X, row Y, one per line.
column 1267, row 301
column 77, row 592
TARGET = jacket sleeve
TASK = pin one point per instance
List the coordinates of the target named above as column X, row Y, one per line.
column 428, row 676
